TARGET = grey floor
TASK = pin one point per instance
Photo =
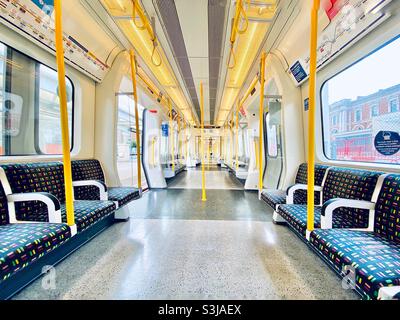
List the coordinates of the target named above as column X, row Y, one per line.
column 216, row 179
column 177, row 247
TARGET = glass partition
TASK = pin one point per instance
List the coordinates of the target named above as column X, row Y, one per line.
column 126, row 141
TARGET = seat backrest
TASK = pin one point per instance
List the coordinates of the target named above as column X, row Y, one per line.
column 35, row 177
column 301, row 178
column 87, row 170
column 320, row 170
column 387, row 210
column 4, row 219
column 348, row 183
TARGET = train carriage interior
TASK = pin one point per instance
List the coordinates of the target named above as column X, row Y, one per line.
column 199, row 150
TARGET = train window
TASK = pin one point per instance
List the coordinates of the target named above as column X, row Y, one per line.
column 49, row 134
column 361, row 113
column 2, row 83
column 29, row 107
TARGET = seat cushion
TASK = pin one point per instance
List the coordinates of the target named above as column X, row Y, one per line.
column 123, row 195
column 22, row 244
column 274, row 197
column 296, row 216
column 374, row 262
column 88, row 213
column 277, row 197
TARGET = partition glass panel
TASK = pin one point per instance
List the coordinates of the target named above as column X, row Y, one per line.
column 126, row 141
column 273, row 146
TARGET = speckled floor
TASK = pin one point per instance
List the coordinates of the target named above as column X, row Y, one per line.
column 176, row 247
column 216, row 179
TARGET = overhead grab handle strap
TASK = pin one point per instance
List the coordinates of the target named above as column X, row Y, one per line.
column 140, row 27
column 155, row 45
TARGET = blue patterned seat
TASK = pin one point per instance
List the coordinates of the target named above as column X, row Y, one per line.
column 342, row 183
column 92, row 170
column 22, row 244
column 374, row 257
column 49, row 178
column 276, row 197
column 296, row 216
column 88, row 212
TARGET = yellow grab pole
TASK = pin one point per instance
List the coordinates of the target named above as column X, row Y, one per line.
column 172, row 134
column 237, row 136
column 203, row 174
column 232, row 137
column 208, row 153
column 186, row 142
column 249, row 90
column 311, row 115
column 153, row 147
column 256, row 152
column 260, row 145
column 69, row 193
column 179, row 138
column 135, row 97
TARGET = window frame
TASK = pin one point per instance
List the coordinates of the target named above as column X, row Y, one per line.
column 36, row 107
column 373, row 106
column 323, row 118
column 358, row 111
column 396, row 100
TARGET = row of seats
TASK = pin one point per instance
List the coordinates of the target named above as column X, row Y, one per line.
column 357, row 224
column 33, row 214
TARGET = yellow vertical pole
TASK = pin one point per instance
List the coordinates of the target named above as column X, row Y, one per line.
column 172, row 134
column 209, row 152
column 69, row 193
column 311, row 115
column 261, row 127
column 179, row 138
column 237, row 136
column 135, row 98
column 153, row 160
column 186, row 143
column 203, row 174
column 232, row 137
column 256, row 152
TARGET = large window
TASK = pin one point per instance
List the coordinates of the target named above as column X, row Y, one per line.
column 29, row 106
column 361, row 116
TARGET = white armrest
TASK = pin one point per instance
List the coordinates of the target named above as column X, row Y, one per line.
column 94, row 183
column 52, row 203
column 291, row 191
column 389, row 293
column 330, row 206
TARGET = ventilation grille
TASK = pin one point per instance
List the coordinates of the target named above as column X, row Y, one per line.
column 169, row 16
column 216, row 21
